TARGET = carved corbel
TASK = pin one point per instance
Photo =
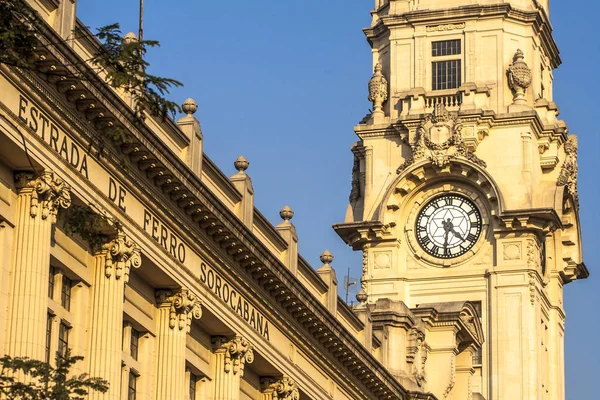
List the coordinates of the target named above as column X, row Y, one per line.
column 184, row 306
column 122, row 254
column 47, row 190
column 238, row 351
column 416, row 354
column 284, row 388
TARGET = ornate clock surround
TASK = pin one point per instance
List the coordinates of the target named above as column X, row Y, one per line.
column 421, row 198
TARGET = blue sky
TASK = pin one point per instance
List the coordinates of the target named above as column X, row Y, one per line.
column 284, row 82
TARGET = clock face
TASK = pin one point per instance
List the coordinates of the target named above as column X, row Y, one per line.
column 448, row 226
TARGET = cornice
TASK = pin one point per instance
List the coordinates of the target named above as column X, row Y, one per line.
column 537, row 18
column 205, row 213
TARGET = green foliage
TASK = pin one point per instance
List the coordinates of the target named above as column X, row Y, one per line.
column 120, row 59
column 17, row 37
column 26, row 379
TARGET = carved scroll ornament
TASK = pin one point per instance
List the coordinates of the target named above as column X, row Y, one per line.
column 284, row 388
column 439, row 140
column 47, row 190
column 184, row 306
column 122, row 255
column 238, row 351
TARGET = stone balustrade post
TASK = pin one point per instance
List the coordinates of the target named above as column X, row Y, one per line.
column 176, row 309
column 230, row 357
column 288, row 231
column 38, row 200
column 284, row 388
column 112, row 264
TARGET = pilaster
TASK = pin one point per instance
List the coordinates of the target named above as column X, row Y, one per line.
column 38, row 200
column 243, row 184
column 176, row 309
column 230, row 357
column 112, row 263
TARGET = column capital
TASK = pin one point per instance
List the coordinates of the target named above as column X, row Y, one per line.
column 283, row 388
column 121, row 254
column 184, row 306
column 238, row 351
column 47, row 190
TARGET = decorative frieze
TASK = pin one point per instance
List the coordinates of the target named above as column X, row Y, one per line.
column 237, row 352
column 47, row 190
column 445, row 27
column 184, row 306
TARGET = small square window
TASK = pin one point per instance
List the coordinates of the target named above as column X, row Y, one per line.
column 65, row 296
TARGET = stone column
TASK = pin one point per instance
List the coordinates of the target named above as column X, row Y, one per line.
column 38, row 200
column 283, row 388
column 176, row 309
column 230, row 357
column 111, row 272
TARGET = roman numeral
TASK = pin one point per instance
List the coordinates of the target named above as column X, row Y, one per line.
column 435, row 249
column 425, row 240
column 471, row 237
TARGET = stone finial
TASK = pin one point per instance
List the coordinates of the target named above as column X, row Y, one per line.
column 378, row 89
column 189, row 106
column 326, row 257
column 519, row 78
column 241, row 164
column 130, row 38
column 362, row 296
column 286, row 213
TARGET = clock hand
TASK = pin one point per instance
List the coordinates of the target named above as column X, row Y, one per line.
column 458, row 235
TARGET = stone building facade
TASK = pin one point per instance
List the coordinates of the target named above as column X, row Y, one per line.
column 124, row 242
column 465, row 190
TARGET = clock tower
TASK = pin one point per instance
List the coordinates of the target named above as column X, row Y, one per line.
column 464, row 198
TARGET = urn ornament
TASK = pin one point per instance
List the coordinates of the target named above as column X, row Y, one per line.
column 519, row 78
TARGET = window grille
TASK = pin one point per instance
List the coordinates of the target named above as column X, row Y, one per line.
column 134, row 345
column 446, row 74
column 132, row 386
column 65, row 297
column 63, row 339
